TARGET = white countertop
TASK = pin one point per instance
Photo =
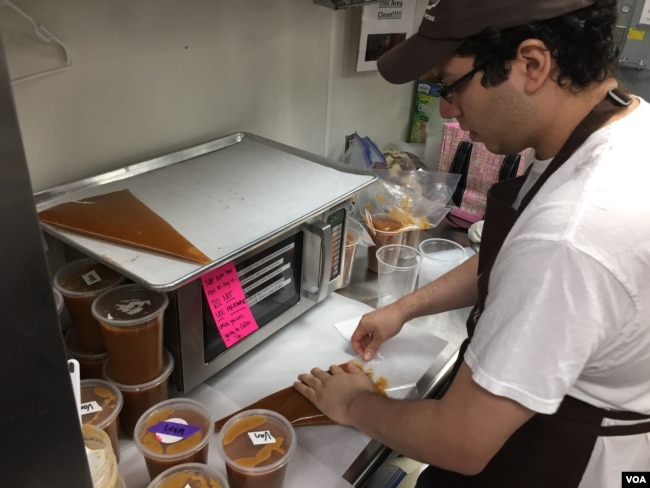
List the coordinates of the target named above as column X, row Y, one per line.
column 324, row 452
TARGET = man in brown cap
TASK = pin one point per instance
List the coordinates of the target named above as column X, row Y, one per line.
column 552, row 387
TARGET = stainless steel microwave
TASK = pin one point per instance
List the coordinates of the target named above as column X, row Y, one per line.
column 275, row 213
column 281, row 278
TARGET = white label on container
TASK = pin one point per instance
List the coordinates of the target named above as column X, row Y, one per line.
column 89, row 407
column 262, row 437
column 91, row 277
column 133, row 306
column 173, row 430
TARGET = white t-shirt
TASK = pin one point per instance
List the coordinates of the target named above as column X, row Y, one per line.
column 568, row 308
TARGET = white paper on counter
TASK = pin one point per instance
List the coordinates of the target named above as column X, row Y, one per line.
column 313, row 340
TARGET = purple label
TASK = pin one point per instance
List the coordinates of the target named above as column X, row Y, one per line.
column 174, row 429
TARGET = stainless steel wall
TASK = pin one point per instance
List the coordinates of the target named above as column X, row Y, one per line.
column 40, row 437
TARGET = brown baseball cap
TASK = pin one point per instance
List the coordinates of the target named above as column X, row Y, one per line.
column 447, row 23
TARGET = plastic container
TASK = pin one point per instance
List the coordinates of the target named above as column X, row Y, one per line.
column 189, row 474
column 80, row 282
column 131, row 317
column 139, row 398
column 439, row 256
column 352, row 238
column 101, row 403
column 256, row 446
column 385, row 231
column 101, row 458
column 91, row 364
column 173, row 432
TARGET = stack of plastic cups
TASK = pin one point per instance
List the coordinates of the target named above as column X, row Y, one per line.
column 80, row 282
column 131, row 317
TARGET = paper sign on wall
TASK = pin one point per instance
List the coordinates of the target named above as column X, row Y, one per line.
column 383, row 26
column 228, row 304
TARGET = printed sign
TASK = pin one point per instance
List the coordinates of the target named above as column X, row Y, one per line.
column 228, row 304
column 383, row 26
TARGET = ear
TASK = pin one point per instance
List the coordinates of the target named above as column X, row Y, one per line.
column 536, row 64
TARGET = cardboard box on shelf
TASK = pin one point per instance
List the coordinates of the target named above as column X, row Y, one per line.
column 425, row 104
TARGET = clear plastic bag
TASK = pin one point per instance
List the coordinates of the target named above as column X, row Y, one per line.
column 414, row 199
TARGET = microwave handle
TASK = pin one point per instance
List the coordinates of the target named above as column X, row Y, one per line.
column 324, row 231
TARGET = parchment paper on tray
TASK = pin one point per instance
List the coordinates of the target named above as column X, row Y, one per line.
column 121, row 218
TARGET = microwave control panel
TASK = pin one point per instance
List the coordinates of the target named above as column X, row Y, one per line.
column 336, row 220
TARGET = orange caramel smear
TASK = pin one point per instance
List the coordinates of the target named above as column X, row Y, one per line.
column 242, row 426
column 263, row 454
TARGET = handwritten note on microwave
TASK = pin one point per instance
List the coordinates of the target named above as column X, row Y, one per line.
column 228, row 304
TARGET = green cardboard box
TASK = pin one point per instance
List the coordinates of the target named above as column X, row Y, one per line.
column 426, row 101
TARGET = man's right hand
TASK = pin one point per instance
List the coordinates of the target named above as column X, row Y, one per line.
column 375, row 328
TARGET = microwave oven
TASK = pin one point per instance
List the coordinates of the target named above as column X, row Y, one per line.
column 273, row 215
column 281, row 279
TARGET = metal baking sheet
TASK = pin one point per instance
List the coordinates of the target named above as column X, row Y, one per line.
column 224, row 196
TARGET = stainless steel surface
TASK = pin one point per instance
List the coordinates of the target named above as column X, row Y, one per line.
column 40, row 436
column 226, row 196
column 449, row 326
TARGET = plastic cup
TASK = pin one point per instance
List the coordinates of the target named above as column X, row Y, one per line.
column 101, row 458
column 101, row 403
column 173, row 432
column 256, row 446
column 189, row 474
column 352, row 238
column 139, row 398
column 131, row 317
column 398, row 272
column 91, row 364
column 438, row 257
column 385, row 231
column 80, row 282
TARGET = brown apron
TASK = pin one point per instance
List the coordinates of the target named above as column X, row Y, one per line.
column 548, row 450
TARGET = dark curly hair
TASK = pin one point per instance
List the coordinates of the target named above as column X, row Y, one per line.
column 581, row 43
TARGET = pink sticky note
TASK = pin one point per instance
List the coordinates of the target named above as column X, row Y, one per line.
column 228, row 304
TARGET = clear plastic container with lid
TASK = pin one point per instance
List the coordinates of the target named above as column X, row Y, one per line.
column 101, row 458
column 131, row 317
column 139, row 398
column 101, row 403
column 173, row 432
column 257, row 446
column 91, row 363
column 80, row 282
column 189, row 474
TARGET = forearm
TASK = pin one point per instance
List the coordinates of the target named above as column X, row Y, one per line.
column 418, row 429
column 451, row 433
column 456, row 289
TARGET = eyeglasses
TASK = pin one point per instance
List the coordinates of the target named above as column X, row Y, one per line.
column 445, row 91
